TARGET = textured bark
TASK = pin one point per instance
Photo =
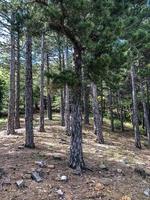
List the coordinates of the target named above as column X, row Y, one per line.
column 67, row 98
column 111, row 111
column 102, row 103
column 121, row 113
column 97, row 115
column 62, row 91
column 135, row 110
column 42, row 129
column 146, row 120
column 148, row 95
column 29, row 141
column 11, row 104
column 76, row 153
column 49, row 99
column 49, row 106
column 67, row 110
column 62, row 107
column 17, row 95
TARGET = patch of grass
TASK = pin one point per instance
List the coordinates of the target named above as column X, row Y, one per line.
column 128, row 125
column 107, row 121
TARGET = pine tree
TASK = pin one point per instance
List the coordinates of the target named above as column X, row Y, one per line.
column 29, row 141
column 11, row 106
column 135, row 109
column 42, row 129
column 17, row 100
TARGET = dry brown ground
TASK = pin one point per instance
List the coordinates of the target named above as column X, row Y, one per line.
column 118, row 153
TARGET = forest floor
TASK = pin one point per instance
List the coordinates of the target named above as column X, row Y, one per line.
column 113, row 164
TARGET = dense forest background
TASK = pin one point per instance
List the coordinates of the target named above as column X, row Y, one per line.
column 86, row 61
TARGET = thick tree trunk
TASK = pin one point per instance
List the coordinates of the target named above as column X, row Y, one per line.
column 17, row 95
column 49, row 99
column 29, row 142
column 42, row 129
column 76, row 153
column 97, row 115
column 146, row 120
column 11, row 104
column 135, row 110
column 111, row 111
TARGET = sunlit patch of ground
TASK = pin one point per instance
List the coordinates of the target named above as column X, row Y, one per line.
column 118, row 152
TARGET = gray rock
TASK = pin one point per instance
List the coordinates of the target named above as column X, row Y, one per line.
column 6, row 181
column 20, row 183
column 36, row 176
column 40, row 171
column 60, row 192
column 147, row 192
column 103, row 167
column 41, row 163
column 64, row 178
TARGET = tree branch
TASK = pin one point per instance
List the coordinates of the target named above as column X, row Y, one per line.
column 66, row 31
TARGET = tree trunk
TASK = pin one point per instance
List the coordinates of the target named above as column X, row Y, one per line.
column 67, row 110
column 102, row 103
column 11, row 104
column 67, row 98
column 147, row 123
column 29, row 142
column 17, row 95
column 111, row 111
column 121, row 114
column 135, row 110
column 62, row 107
column 122, row 118
column 148, row 94
column 49, row 99
column 97, row 115
column 62, row 91
column 42, row 129
column 76, row 153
